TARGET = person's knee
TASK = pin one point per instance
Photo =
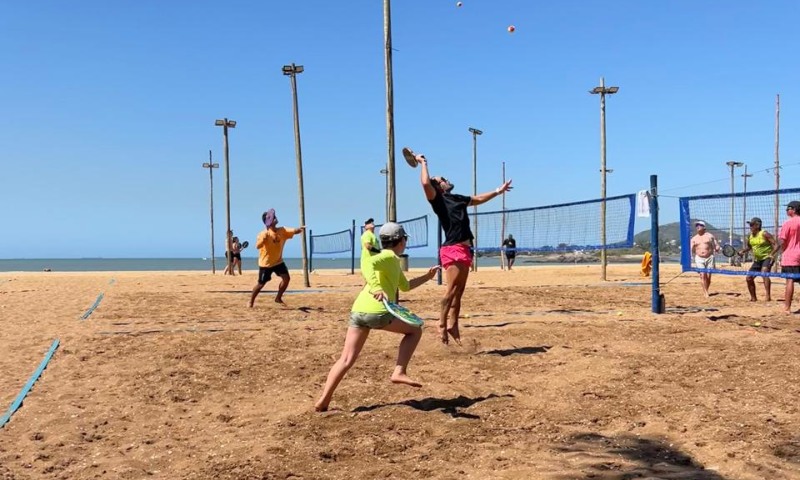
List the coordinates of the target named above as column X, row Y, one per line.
column 348, row 360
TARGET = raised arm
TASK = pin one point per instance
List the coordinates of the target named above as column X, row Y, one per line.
column 425, row 178
column 485, row 197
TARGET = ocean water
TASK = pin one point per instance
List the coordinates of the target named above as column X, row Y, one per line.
column 171, row 264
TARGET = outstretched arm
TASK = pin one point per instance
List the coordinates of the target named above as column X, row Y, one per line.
column 485, row 197
column 416, row 282
column 425, row 178
column 299, row 230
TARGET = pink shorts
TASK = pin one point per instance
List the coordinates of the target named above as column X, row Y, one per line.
column 458, row 253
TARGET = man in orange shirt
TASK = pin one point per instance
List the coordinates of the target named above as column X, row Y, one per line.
column 270, row 255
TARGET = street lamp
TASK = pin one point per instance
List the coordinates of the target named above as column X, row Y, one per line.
column 385, row 172
column 732, row 165
column 211, row 166
column 226, row 124
column 602, row 90
column 292, row 71
column 475, row 132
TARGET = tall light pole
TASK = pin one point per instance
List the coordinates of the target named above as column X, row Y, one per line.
column 385, row 173
column 211, row 166
column 387, row 45
column 475, row 132
column 732, row 165
column 777, row 162
column 292, row 71
column 602, row 90
column 745, row 176
column 226, row 124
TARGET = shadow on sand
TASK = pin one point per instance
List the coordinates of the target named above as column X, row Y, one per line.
column 629, row 456
column 449, row 406
column 492, row 325
column 518, row 351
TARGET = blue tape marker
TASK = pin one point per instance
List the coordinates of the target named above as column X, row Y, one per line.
column 27, row 388
column 91, row 309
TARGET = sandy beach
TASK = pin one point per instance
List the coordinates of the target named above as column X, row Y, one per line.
column 561, row 376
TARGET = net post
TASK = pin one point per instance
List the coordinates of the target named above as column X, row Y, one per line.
column 353, row 248
column 438, row 249
column 657, row 302
column 311, row 251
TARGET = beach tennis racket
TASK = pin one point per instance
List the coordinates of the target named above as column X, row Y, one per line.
column 410, row 157
column 728, row 251
column 245, row 244
column 402, row 313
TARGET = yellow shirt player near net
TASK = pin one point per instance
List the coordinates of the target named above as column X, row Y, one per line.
column 369, row 246
column 270, row 244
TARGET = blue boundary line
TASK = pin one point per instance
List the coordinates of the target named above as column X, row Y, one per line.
column 27, row 388
column 91, row 309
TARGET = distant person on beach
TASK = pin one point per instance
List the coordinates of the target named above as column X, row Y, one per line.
column 510, row 248
column 270, row 244
column 703, row 247
column 455, row 254
column 789, row 248
column 369, row 313
column 764, row 247
column 237, row 257
column 369, row 245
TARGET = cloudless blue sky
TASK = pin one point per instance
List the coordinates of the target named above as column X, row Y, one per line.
column 109, row 108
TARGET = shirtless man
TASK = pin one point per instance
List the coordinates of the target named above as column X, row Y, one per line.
column 704, row 245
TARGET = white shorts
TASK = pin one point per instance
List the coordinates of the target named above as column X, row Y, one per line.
column 707, row 262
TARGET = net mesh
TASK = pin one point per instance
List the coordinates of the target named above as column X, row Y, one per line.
column 726, row 218
column 556, row 228
column 328, row 243
column 416, row 229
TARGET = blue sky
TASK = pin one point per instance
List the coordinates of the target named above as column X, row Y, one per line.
column 109, row 110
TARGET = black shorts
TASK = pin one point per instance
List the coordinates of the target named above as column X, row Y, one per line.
column 235, row 255
column 761, row 265
column 265, row 273
column 510, row 255
column 792, row 269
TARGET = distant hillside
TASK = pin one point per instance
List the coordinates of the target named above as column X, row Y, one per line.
column 666, row 235
column 669, row 236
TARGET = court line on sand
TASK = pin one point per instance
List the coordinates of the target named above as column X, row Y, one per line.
column 17, row 403
column 96, row 302
column 94, row 305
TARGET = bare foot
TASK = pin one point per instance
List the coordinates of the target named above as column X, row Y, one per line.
column 404, row 379
column 453, row 331
column 768, row 299
column 787, row 311
column 280, row 302
column 320, row 407
column 753, row 299
column 443, row 335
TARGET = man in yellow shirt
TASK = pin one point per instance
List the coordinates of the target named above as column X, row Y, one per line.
column 270, row 244
column 369, row 246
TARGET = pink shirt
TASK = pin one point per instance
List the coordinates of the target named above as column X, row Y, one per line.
column 790, row 239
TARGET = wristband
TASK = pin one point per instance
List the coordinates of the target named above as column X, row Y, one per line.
column 374, row 250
